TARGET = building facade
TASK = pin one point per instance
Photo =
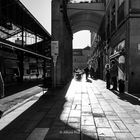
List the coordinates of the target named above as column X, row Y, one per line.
column 81, row 57
column 120, row 40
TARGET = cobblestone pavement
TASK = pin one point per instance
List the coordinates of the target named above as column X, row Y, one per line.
column 80, row 111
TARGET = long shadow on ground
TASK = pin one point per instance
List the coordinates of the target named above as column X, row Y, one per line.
column 46, row 114
column 127, row 98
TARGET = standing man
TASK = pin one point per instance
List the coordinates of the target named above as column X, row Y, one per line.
column 121, row 71
column 107, row 75
column 114, row 74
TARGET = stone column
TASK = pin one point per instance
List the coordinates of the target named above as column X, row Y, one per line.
column 60, row 33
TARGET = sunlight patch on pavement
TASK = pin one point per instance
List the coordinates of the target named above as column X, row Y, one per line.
column 77, row 102
column 8, row 118
column 71, row 90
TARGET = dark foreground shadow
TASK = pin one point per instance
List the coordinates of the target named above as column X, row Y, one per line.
column 48, row 113
column 17, row 87
column 127, row 97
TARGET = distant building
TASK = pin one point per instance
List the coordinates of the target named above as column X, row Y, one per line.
column 81, row 57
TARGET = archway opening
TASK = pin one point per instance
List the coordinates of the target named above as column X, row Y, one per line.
column 81, row 39
column 81, row 49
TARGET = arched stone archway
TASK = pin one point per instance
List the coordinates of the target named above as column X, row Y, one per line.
column 85, row 20
column 68, row 19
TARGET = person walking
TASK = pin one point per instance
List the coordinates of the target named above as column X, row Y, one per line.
column 91, row 72
column 107, row 76
column 114, row 74
column 86, row 70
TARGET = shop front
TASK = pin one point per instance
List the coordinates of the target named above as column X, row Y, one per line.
column 118, row 53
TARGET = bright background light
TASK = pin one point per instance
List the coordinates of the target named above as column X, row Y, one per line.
column 41, row 10
column 81, row 39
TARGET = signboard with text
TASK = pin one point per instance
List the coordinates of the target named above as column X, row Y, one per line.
column 54, row 48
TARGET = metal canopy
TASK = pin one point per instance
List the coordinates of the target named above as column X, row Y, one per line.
column 14, row 17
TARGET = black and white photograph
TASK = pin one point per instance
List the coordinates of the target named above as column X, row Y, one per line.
column 69, row 69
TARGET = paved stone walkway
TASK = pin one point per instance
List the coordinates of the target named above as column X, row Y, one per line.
column 80, row 111
column 7, row 104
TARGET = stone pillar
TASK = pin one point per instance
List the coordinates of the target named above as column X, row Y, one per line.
column 63, row 70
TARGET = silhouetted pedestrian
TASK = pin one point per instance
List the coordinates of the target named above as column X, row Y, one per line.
column 91, row 72
column 107, row 76
column 114, row 74
column 86, row 70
